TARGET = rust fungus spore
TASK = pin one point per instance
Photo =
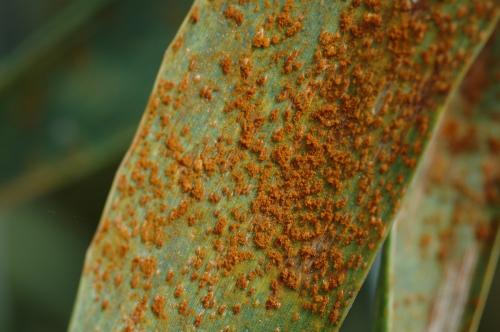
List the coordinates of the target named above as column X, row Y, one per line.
column 234, row 14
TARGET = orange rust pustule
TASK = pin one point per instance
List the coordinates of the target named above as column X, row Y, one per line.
column 158, row 306
column 234, row 14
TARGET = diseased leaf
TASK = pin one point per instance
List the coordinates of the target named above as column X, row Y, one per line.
column 271, row 158
column 447, row 236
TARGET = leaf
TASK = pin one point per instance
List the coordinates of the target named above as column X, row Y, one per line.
column 75, row 128
column 447, row 236
column 269, row 163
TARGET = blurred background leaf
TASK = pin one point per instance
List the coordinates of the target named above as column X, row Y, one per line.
column 81, row 107
column 447, row 237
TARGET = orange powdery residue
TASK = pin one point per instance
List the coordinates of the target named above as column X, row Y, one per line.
column 291, row 63
column 198, row 319
column 260, row 40
column 291, row 25
column 174, row 145
column 214, row 197
column 290, row 278
column 183, row 308
column 179, row 291
column 206, row 92
column 234, row 14
column 147, row 265
column 225, row 64
column 236, row 309
column 195, row 14
column 242, row 282
column 104, row 304
column 245, row 67
column 373, row 20
column 158, row 306
column 137, row 315
column 220, row 225
column 208, row 301
column 221, row 309
column 177, row 44
column 272, row 303
column 170, row 276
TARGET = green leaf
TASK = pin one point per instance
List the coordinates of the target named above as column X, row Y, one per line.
column 270, row 161
column 447, row 235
